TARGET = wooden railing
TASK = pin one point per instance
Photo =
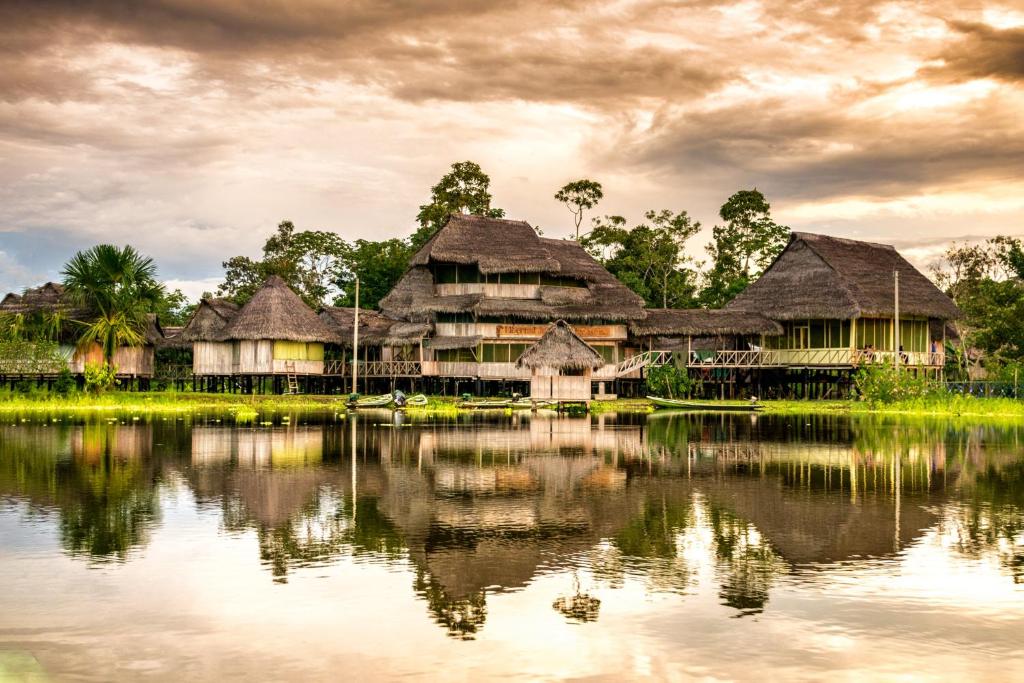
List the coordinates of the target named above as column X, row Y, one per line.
column 766, row 358
column 642, row 360
column 375, row 368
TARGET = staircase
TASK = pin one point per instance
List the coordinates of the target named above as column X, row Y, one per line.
column 641, row 361
column 293, row 380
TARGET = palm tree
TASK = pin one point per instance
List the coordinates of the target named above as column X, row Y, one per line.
column 118, row 287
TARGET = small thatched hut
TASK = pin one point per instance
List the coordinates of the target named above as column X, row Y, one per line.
column 210, row 356
column 276, row 333
column 561, row 364
column 52, row 308
column 836, row 301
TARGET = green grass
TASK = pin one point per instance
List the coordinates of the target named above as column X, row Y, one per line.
column 166, row 402
column 248, row 407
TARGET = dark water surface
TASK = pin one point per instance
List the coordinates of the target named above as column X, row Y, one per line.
column 676, row 547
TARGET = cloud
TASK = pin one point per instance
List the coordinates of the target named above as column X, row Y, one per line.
column 982, row 51
column 191, row 127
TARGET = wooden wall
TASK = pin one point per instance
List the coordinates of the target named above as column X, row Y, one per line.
column 130, row 361
column 559, row 387
column 212, row 358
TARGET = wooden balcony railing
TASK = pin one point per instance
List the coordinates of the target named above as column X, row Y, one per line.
column 375, row 368
column 768, row 358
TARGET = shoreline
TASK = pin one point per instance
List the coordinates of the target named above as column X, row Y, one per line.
column 180, row 402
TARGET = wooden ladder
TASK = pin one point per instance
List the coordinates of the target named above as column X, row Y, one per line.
column 293, row 380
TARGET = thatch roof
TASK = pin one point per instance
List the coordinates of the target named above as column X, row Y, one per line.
column 402, row 333
column 44, row 298
column 443, row 343
column 562, row 349
column 817, row 276
column 276, row 312
column 494, row 245
column 698, row 322
column 154, row 332
column 373, row 326
column 511, row 246
column 207, row 322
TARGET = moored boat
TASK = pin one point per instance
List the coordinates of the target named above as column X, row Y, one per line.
column 678, row 404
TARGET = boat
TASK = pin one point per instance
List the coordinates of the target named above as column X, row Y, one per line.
column 697, row 405
column 373, row 402
column 503, row 404
column 416, row 400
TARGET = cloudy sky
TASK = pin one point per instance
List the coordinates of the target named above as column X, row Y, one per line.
column 189, row 128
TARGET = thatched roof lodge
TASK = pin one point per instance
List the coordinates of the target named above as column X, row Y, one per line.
column 51, row 300
column 276, row 333
column 491, row 287
column 836, row 300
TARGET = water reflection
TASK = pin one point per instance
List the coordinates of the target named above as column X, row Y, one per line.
column 469, row 509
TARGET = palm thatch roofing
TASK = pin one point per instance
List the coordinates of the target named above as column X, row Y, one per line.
column 45, row 298
column 698, row 322
column 503, row 246
column 445, row 343
column 508, row 246
column 817, row 276
column 560, row 348
column 207, row 322
column 275, row 312
column 373, row 326
column 403, row 333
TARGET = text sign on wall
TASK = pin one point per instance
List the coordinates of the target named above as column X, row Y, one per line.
column 534, row 331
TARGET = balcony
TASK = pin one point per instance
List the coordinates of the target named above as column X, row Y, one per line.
column 811, row 358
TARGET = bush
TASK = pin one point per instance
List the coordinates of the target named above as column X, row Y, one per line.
column 885, row 384
column 100, row 377
column 65, row 382
column 669, row 381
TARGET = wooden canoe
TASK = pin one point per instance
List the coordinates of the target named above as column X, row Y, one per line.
column 677, row 404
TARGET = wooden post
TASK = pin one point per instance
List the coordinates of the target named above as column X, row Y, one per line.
column 355, row 344
column 896, row 321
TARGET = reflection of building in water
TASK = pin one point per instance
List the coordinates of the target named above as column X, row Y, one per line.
column 99, row 478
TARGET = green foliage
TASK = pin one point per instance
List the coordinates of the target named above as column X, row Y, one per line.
column 578, row 196
column 882, row 384
column 100, row 377
column 378, row 265
column 174, row 308
column 30, row 357
column 669, row 381
column 307, row 261
column 118, row 287
column 743, row 247
column 65, row 382
column 464, row 189
column 649, row 258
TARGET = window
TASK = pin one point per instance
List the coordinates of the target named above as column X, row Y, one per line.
column 817, row 331
column 286, row 350
column 445, row 274
column 454, row 356
column 468, row 273
column 607, row 353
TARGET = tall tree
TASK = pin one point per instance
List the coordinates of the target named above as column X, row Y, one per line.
column 378, row 265
column 306, row 260
column 579, row 196
column 118, row 287
column 649, row 258
column 464, row 189
column 743, row 247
